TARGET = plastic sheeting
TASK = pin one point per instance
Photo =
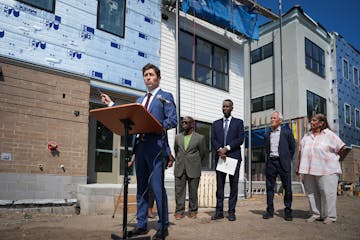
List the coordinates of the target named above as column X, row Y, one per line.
column 257, row 136
column 225, row 14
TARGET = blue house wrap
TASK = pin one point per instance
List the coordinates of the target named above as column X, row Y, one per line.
column 225, row 14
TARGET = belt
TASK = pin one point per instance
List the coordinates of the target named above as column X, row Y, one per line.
column 146, row 136
column 274, row 158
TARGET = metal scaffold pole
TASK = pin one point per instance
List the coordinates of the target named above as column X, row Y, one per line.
column 250, row 128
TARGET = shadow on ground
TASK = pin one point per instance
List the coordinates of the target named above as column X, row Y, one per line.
column 301, row 214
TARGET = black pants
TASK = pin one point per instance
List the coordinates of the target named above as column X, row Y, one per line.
column 151, row 197
column 273, row 169
column 220, row 184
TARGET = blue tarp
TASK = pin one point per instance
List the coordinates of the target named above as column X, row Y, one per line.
column 245, row 22
column 257, row 136
column 225, row 14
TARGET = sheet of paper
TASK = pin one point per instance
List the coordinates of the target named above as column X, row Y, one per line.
column 228, row 166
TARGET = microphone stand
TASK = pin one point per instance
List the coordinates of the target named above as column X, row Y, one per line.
column 163, row 137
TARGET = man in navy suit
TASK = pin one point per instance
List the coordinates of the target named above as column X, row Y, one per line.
column 227, row 135
column 148, row 147
column 280, row 149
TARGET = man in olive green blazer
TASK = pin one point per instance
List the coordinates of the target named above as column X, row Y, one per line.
column 190, row 150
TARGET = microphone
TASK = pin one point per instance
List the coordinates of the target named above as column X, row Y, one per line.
column 162, row 99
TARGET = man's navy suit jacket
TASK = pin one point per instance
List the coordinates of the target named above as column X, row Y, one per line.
column 165, row 113
column 235, row 137
column 286, row 148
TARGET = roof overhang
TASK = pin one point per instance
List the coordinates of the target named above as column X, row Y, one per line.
column 259, row 9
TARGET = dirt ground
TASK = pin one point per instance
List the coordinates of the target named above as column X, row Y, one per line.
column 249, row 224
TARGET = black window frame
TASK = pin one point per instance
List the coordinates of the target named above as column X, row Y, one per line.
column 316, row 57
column 345, row 115
column 356, row 79
column 122, row 35
column 52, row 10
column 259, row 53
column 357, row 118
column 263, row 102
column 195, row 65
column 347, row 77
column 312, row 97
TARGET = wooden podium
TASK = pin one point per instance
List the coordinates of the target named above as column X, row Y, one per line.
column 124, row 120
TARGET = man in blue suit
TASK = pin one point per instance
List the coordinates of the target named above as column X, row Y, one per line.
column 280, row 149
column 227, row 135
column 148, row 147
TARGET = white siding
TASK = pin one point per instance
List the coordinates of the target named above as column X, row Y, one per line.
column 198, row 100
column 202, row 102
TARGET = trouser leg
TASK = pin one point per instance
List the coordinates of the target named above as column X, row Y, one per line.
column 313, row 194
column 328, row 186
column 180, row 193
column 156, row 184
column 193, row 184
column 271, row 173
column 234, row 182
column 286, row 183
column 220, row 183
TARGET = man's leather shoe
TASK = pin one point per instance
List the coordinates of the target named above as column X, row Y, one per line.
column 158, row 235
column 179, row 216
column 288, row 217
column 268, row 215
column 193, row 215
column 137, row 231
column 217, row 217
column 232, row 217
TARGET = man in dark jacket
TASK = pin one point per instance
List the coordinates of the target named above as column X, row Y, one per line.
column 280, row 149
column 227, row 135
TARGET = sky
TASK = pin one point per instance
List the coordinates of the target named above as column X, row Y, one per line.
column 341, row 16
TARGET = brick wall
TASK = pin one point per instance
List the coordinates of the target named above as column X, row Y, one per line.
column 351, row 166
column 36, row 107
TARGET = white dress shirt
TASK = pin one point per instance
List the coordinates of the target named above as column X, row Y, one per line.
column 274, row 142
column 153, row 93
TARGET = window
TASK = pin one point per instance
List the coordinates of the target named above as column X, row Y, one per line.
column 111, row 16
column 204, row 129
column 261, row 53
column 269, row 101
column 345, row 69
column 104, row 145
column 356, row 76
column 203, row 61
column 314, row 58
column 258, row 154
column 262, row 103
column 47, row 5
column 357, row 118
column 347, row 113
column 315, row 104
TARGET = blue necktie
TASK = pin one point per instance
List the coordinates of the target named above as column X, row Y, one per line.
column 226, row 127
